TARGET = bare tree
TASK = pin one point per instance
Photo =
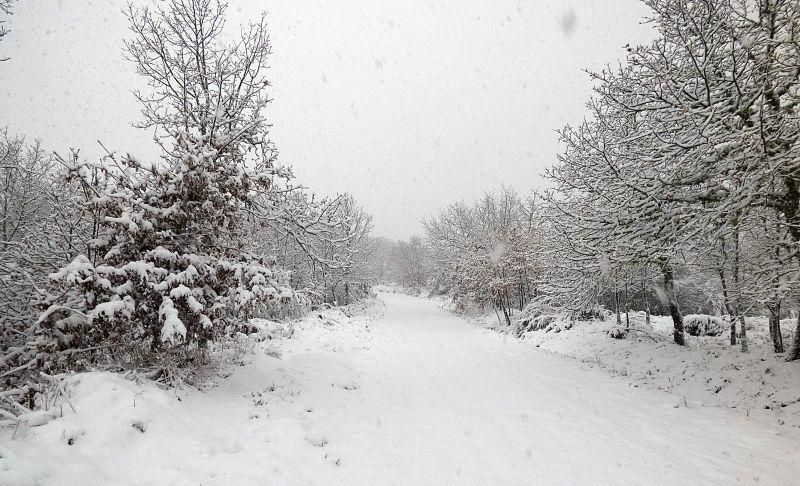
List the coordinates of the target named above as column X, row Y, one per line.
column 198, row 82
column 5, row 10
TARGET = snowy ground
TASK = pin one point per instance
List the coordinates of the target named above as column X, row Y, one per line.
column 707, row 372
column 416, row 396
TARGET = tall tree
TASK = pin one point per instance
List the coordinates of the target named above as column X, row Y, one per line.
column 171, row 265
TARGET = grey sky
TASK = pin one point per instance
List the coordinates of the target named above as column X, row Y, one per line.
column 408, row 105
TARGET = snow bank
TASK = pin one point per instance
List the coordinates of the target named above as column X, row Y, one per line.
column 708, row 371
column 255, row 426
column 107, row 417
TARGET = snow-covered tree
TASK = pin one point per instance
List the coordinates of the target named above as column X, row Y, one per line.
column 413, row 260
column 488, row 251
column 692, row 135
column 169, row 264
column 41, row 229
column 324, row 242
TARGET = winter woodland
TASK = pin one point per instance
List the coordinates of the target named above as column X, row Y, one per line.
column 663, row 243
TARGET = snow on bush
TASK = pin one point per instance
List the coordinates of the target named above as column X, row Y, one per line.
column 617, row 332
column 538, row 318
column 703, row 325
column 594, row 312
column 265, row 329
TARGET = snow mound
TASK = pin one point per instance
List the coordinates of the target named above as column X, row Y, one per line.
column 104, row 416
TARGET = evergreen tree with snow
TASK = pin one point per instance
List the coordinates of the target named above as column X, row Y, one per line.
column 170, row 265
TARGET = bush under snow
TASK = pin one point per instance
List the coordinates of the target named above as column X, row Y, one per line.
column 703, row 325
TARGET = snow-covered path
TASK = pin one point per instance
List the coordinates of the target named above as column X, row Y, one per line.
column 420, row 397
column 458, row 404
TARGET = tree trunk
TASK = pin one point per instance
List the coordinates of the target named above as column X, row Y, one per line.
column 726, row 302
column 499, row 320
column 616, row 307
column 775, row 307
column 794, row 350
column 674, row 310
column 505, row 314
column 737, row 287
column 646, row 303
column 627, row 308
column 775, row 326
column 743, row 334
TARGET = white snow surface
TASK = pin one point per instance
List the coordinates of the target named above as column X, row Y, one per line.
column 708, row 371
column 413, row 396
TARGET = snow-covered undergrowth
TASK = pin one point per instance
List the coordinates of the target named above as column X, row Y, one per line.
column 706, row 372
column 110, row 428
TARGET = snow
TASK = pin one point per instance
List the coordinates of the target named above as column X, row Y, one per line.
column 704, row 325
column 110, row 309
column 161, row 253
column 406, row 394
column 74, row 272
column 707, row 372
column 184, row 292
column 124, row 220
column 141, row 268
column 174, row 330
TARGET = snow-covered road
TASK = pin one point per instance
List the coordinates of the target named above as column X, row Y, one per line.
column 415, row 397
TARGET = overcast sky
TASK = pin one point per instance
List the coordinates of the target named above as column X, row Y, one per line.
column 408, row 105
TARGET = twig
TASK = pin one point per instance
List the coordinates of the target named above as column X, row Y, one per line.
column 19, row 368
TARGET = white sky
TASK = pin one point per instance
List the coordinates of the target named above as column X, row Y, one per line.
column 408, row 105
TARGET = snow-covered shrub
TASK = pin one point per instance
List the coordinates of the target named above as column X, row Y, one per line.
column 526, row 317
column 595, row 312
column 537, row 317
column 42, row 229
column 263, row 329
column 168, row 266
column 558, row 325
column 617, row 332
column 543, row 321
column 703, row 325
